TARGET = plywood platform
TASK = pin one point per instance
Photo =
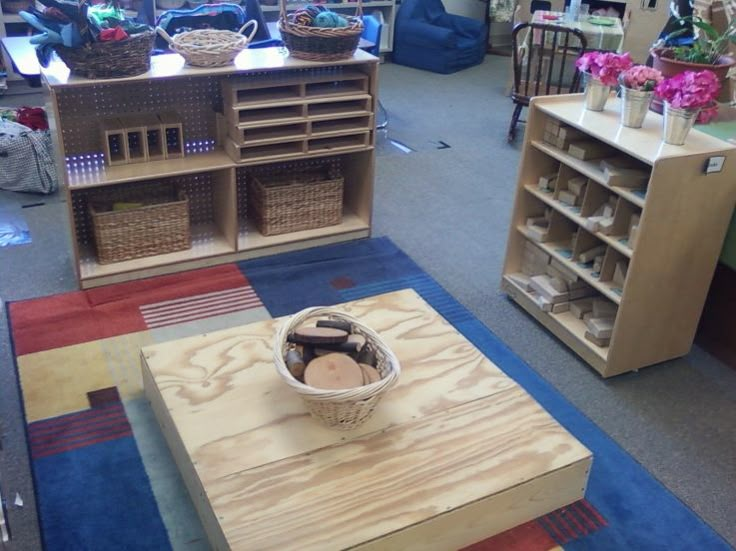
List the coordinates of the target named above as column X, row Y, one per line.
column 456, row 452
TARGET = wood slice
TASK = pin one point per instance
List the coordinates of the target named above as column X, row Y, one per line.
column 333, row 372
column 295, row 364
column 336, row 324
column 370, row 374
column 367, row 356
column 318, row 335
column 359, row 340
column 344, row 347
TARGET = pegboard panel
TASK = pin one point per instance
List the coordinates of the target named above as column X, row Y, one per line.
column 195, row 99
column 198, row 188
column 241, row 181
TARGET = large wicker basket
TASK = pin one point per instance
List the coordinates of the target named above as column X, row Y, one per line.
column 210, row 47
column 339, row 409
column 321, row 44
column 124, row 58
column 288, row 202
column 162, row 226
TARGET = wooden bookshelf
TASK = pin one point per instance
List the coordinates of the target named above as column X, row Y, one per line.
column 277, row 111
column 683, row 216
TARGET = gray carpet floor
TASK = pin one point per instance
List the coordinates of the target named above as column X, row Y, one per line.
column 448, row 208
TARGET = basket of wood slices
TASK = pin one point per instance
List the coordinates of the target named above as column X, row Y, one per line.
column 340, row 367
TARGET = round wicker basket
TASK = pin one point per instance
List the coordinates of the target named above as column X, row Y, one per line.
column 339, row 409
column 321, row 44
column 123, row 58
column 210, row 47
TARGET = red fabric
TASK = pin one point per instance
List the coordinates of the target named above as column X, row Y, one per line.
column 113, row 35
column 83, row 316
column 32, row 117
column 525, row 537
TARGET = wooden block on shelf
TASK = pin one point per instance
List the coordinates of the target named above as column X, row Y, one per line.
column 542, row 285
column 580, row 307
column 618, row 172
column 538, row 233
column 601, row 328
column 597, row 341
column 581, row 292
column 547, row 183
column 550, row 138
column 598, row 263
column 552, row 126
column 586, row 150
column 522, row 280
column 114, row 141
column 590, row 254
column 570, row 134
column 619, row 273
column 633, row 230
column 544, row 304
column 577, row 185
column 560, row 307
column 592, row 223
column 135, row 137
column 568, row 198
column 173, row 134
column 566, row 272
column 605, row 226
column 603, row 308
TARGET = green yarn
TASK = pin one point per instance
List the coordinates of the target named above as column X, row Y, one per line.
column 330, row 19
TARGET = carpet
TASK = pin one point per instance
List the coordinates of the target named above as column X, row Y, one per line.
column 105, row 479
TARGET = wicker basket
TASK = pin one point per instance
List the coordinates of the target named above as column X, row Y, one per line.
column 321, row 44
column 210, row 47
column 158, row 228
column 15, row 6
column 339, row 409
column 124, row 58
column 288, row 202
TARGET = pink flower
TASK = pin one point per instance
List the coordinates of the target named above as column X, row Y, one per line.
column 605, row 66
column 689, row 90
column 641, row 77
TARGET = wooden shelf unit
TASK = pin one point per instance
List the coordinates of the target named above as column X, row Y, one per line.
column 221, row 149
column 684, row 214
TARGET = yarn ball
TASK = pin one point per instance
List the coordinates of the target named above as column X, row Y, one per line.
column 303, row 17
column 315, row 9
column 330, row 19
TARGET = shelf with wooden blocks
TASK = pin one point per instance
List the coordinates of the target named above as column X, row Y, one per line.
column 292, row 110
column 638, row 221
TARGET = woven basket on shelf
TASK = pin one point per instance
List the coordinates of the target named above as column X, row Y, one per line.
column 294, row 201
column 15, row 6
column 124, row 58
column 210, row 47
column 321, row 44
column 162, row 226
column 339, row 409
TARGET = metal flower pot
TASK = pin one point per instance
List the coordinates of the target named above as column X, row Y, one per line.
column 635, row 104
column 677, row 124
column 596, row 93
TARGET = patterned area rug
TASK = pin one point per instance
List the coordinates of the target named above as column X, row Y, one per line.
column 103, row 474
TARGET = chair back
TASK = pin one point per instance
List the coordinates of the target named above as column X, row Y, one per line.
column 372, row 33
column 547, row 64
column 544, row 5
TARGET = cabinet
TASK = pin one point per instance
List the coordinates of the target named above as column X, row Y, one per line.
column 268, row 111
column 681, row 212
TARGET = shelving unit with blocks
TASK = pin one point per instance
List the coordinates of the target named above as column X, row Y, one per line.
column 215, row 127
column 615, row 235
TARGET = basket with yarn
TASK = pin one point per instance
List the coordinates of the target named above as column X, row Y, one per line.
column 315, row 33
column 343, row 408
column 210, row 47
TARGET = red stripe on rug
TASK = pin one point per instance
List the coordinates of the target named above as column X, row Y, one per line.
column 105, row 438
column 572, row 519
column 77, row 438
column 83, row 316
column 76, row 425
column 593, row 512
column 529, row 536
column 577, row 507
column 69, row 418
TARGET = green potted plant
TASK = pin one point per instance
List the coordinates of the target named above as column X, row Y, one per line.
column 709, row 49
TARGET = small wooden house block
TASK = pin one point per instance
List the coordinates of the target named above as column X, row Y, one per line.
column 114, row 142
column 173, row 133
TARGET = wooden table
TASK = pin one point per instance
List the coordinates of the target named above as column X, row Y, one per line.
column 599, row 37
column 455, row 453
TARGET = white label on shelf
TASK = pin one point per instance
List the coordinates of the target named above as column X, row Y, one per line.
column 715, row 164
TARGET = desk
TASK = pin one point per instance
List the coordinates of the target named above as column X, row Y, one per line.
column 599, row 37
column 456, row 451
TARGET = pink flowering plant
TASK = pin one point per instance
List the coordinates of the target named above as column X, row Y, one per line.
column 692, row 90
column 605, row 66
column 641, row 78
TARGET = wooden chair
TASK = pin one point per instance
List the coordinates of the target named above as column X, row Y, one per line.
column 549, row 51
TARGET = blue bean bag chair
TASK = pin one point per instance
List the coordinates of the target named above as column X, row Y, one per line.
column 427, row 37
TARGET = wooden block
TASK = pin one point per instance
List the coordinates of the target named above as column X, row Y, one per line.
column 333, row 372
column 522, row 280
column 544, row 303
column 570, row 134
column 542, row 285
column 619, row 172
column 552, row 126
column 608, row 211
column 550, row 138
column 535, row 252
column 581, row 292
column 603, row 308
column 588, row 315
column 601, row 328
column 580, row 307
column 590, row 254
column 547, row 183
column 541, row 222
column 153, row 132
column 619, row 273
column 577, row 185
column 568, row 198
column 592, row 223
column 318, row 335
column 605, row 226
column 558, row 284
column 633, row 236
column 586, row 150
column 173, row 134
column 562, row 143
column 561, row 307
column 370, row 374
column 598, row 341
column 114, row 142
column 566, row 272
column 342, row 325
column 538, row 234
column 598, row 263
column 295, row 364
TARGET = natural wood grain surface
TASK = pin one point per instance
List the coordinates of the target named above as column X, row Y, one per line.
column 453, row 431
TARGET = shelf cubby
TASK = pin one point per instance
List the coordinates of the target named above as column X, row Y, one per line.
column 272, row 94
column 259, row 116
column 339, row 109
column 338, row 143
column 269, row 134
column 336, row 88
column 348, row 125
